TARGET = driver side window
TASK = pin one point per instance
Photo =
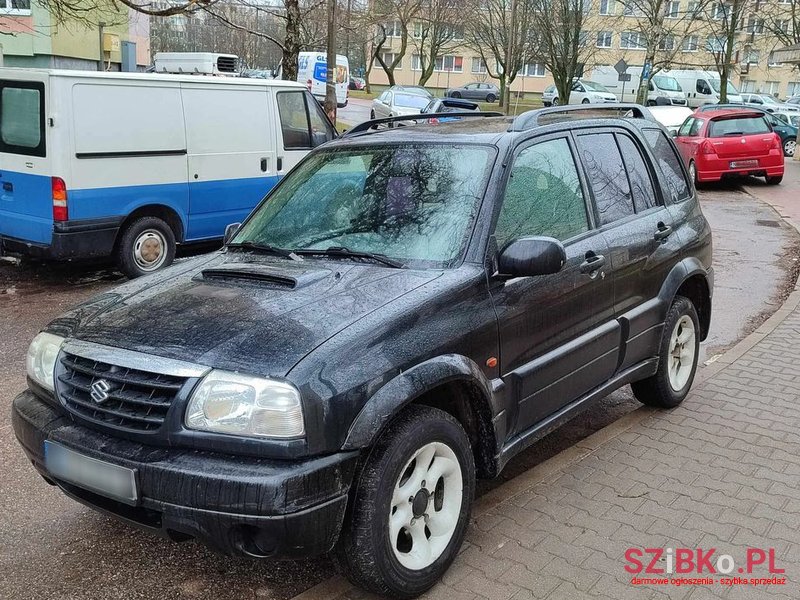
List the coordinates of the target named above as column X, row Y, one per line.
column 543, row 195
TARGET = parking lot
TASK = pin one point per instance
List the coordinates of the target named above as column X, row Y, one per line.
column 78, row 553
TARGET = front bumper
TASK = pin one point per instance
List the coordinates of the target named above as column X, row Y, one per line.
column 88, row 238
column 238, row 505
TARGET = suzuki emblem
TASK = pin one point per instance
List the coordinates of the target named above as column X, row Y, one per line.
column 100, row 389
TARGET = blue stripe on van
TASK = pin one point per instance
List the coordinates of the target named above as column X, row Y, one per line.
column 205, row 208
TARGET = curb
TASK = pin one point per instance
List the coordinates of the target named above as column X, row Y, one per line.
column 335, row 586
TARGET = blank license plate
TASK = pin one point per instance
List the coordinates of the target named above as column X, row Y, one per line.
column 743, row 164
column 111, row 481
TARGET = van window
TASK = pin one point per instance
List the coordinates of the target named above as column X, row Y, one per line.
column 303, row 124
column 22, row 118
column 543, row 195
column 669, row 163
column 606, row 171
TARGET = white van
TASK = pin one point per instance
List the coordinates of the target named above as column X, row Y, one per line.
column 130, row 164
column 702, row 87
column 312, row 70
column 662, row 89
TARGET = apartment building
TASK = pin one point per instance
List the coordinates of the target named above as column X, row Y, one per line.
column 613, row 32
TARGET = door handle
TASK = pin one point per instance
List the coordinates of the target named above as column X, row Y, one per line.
column 662, row 232
column 280, row 163
column 264, row 165
column 8, row 186
column 593, row 262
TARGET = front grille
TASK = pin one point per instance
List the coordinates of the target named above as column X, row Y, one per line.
column 121, row 396
column 226, row 64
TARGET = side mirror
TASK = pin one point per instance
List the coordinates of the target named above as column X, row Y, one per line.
column 230, row 231
column 531, row 256
column 674, row 133
column 318, row 138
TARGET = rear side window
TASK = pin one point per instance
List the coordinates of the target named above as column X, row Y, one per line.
column 607, row 177
column 738, row 126
column 303, row 124
column 22, row 118
column 669, row 163
column 644, row 195
column 543, row 195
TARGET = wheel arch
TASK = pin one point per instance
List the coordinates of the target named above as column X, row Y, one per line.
column 166, row 213
column 452, row 383
column 691, row 279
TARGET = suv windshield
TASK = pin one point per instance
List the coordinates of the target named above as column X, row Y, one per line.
column 410, row 203
column 668, row 84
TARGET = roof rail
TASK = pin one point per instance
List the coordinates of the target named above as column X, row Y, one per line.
column 367, row 125
column 531, row 118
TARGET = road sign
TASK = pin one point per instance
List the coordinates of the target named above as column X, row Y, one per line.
column 624, row 77
column 646, row 70
column 621, row 66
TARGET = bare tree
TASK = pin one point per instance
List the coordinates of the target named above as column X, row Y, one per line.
column 392, row 18
column 436, row 32
column 500, row 32
column 562, row 44
column 725, row 22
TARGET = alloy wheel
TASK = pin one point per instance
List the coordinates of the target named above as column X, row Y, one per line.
column 681, row 353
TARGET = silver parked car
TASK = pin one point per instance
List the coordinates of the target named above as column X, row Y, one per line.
column 487, row 92
column 768, row 103
column 550, row 95
column 393, row 103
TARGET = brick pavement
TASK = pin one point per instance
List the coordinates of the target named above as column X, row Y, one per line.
column 721, row 471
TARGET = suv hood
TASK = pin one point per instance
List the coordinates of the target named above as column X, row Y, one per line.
column 239, row 312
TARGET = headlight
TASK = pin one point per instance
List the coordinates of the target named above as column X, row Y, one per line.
column 237, row 404
column 41, row 359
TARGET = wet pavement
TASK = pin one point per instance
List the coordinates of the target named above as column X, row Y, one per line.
column 53, row 547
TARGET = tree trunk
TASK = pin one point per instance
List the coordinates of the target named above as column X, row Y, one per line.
column 291, row 44
column 641, row 93
column 330, row 75
column 501, row 101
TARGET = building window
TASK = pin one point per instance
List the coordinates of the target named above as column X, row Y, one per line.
column 793, row 89
column 667, row 43
column 478, row 65
column 532, row 70
column 632, row 40
column 691, row 43
column 388, row 58
column 415, row 63
column 715, row 44
column 449, row 63
column 748, row 86
column 420, row 30
column 632, row 10
column 752, row 57
column 672, row 10
column 771, row 60
column 15, row 7
column 393, row 29
column 607, row 7
column 604, row 39
column 754, row 25
column 720, row 11
column 695, row 10
column 772, row 88
column 782, row 25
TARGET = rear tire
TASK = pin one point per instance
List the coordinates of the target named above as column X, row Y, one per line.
column 371, row 115
column 455, row 95
column 490, row 98
column 789, row 147
column 775, row 180
column 145, row 246
column 408, row 514
column 693, row 173
column 678, row 354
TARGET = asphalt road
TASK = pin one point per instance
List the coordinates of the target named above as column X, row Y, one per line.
column 54, row 548
column 356, row 111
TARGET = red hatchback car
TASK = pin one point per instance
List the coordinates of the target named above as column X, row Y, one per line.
column 730, row 142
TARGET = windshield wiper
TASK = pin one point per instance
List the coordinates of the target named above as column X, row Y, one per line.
column 267, row 249
column 346, row 253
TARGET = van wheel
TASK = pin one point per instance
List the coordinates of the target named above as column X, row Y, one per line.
column 677, row 358
column 145, row 245
column 410, row 507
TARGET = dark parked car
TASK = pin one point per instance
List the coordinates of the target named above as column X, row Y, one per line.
column 409, row 309
column 486, row 92
column 448, row 105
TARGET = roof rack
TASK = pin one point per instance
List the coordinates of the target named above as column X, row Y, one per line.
column 367, row 125
column 532, row 118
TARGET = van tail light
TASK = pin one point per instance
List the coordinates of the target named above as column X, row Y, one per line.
column 707, row 148
column 60, row 211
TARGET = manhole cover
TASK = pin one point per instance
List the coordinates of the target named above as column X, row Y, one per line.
column 767, row 223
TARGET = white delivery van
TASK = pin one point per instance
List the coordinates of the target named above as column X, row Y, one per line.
column 662, row 89
column 130, row 164
column 312, row 70
column 702, row 87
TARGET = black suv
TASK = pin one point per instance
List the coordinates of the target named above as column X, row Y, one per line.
column 405, row 312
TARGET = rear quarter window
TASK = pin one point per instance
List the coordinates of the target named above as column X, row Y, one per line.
column 738, row 126
column 670, row 164
column 22, row 118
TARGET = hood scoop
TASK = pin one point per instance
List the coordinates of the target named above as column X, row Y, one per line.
column 262, row 274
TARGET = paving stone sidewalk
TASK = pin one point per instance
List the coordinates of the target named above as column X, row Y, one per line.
column 721, row 471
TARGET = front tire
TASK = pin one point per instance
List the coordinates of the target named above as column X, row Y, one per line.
column 145, row 246
column 556, row 102
column 585, row 101
column 455, row 95
column 677, row 358
column 490, row 98
column 410, row 510
column 789, row 147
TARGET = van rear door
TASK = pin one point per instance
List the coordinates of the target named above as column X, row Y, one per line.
column 26, row 202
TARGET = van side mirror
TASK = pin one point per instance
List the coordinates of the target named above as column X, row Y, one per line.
column 527, row 257
column 230, row 231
